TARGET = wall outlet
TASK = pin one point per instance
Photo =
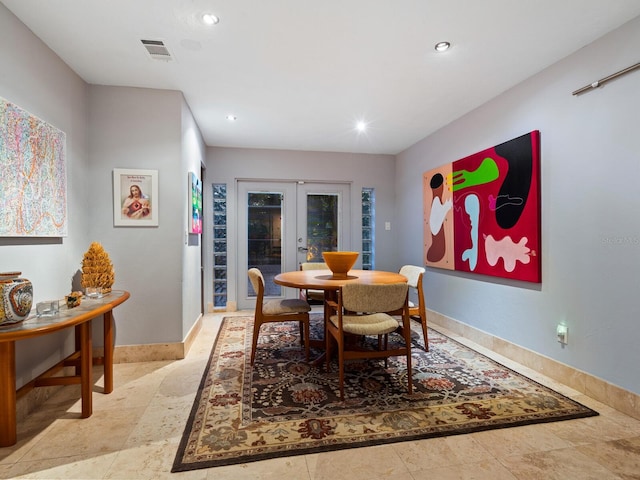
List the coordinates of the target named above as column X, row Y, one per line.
column 562, row 332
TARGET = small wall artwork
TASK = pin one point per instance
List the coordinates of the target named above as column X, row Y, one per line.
column 135, row 197
column 195, row 217
column 33, row 176
column 482, row 212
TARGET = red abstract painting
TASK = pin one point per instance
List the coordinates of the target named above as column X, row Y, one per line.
column 482, row 212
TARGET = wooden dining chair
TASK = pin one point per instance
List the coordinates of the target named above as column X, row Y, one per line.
column 414, row 276
column 277, row 310
column 368, row 309
column 309, row 295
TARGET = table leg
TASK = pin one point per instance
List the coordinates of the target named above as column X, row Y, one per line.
column 86, row 366
column 8, row 427
column 78, row 344
column 108, row 352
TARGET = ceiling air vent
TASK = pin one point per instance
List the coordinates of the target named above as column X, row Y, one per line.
column 157, row 50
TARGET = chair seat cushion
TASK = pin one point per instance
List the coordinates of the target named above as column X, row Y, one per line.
column 372, row 324
column 289, row 305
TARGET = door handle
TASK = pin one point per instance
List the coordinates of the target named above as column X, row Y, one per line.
column 303, row 249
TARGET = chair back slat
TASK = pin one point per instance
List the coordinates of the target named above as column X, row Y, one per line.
column 412, row 273
column 415, row 278
column 257, row 281
column 358, row 297
column 314, row 266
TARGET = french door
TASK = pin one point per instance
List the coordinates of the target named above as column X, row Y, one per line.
column 282, row 224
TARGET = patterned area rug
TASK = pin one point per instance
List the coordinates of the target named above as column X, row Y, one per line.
column 285, row 406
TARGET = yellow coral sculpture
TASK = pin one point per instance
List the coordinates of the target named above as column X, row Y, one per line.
column 97, row 269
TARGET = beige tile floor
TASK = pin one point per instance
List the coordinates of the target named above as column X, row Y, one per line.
column 134, row 432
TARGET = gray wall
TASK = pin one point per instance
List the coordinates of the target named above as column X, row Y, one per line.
column 225, row 165
column 143, row 128
column 590, row 201
column 33, row 78
column 106, row 128
column 193, row 158
column 590, row 156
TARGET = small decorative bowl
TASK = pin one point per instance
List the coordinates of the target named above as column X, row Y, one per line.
column 48, row 308
column 73, row 299
column 94, row 292
column 340, row 262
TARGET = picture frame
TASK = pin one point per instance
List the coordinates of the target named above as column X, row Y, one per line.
column 135, row 198
column 195, row 204
column 33, row 175
column 482, row 213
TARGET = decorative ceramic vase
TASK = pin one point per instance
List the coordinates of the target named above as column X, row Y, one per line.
column 17, row 298
column 340, row 262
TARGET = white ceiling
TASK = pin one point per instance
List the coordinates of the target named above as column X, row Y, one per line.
column 299, row 73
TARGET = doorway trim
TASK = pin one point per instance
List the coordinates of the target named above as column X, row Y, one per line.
column 289, row 227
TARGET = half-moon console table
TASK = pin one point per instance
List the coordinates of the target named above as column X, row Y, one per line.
column 79, row 317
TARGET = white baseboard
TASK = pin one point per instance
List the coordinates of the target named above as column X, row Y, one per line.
column 616, row 397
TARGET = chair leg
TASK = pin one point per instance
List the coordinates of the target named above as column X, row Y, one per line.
column 424, row 333
column 306, row 327
column 423, row 321
column 256, row 331
column 409, row 373
column 304, row 336
column 383, row 346
column 327, row 349
column 407, row 340
column 341, row 366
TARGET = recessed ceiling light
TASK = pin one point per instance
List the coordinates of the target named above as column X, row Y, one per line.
column 232, row 118
column 442, row 46
column 361, row 126
column 210, row 19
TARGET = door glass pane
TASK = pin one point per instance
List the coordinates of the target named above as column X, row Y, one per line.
column 322, row 225
column 264, row 229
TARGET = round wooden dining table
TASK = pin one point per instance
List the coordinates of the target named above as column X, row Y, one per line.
column 325, row 280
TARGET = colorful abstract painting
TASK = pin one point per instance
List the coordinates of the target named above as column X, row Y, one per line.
column 195, row 217
column 33, row 178
column 482, row 212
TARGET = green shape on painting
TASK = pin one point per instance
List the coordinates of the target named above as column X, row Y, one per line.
column 487, row 172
